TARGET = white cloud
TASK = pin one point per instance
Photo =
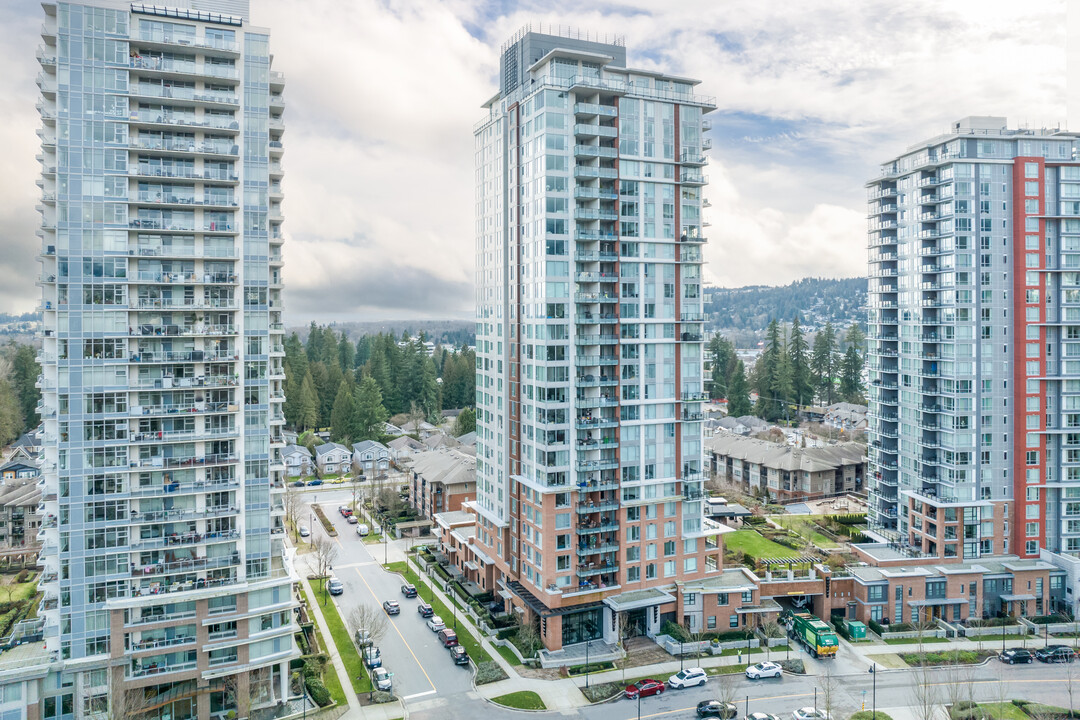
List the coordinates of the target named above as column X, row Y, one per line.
column 382, row 98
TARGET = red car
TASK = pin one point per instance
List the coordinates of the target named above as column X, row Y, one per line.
column 448, row 637
column 645, row 688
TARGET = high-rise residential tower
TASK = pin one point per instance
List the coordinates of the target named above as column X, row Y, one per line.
column 589, row 338
column 165, row 570
column 975, row 344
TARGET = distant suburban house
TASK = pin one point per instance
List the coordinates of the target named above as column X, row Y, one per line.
column 290, row 437
column 298, row 461
column 332, row 458
column 441, row 481
column 790, row 474
column 371, row 458
column 17, row 469
column 468, row 438
column 27, row 446
column 404, row 447
column 846, row 416
column 391, row 429
column 422, row 428
column 19, row 521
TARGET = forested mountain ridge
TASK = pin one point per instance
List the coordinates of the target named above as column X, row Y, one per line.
column 735, row 311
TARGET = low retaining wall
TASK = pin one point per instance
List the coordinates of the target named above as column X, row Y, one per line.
column 912, row 634
column 673, row 647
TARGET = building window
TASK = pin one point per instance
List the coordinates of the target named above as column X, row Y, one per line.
column 711, row 623
column 689, row 599
column 721, row 599
column 733, row 621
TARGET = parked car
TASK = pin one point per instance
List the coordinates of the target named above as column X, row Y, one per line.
column 391, row 607
column 1055, row 654
column 690, row 677
column 363, row 639
column 764, row 670
column 351, row 519
column 761, row 716
column 717, row 709
column 362, row 529
column 425, row 610
column 372, row 657
column 314, row 483
column 1016, row 655
column 335, row 586
column 645, row 688
column 810, row 713
column 304, row 532
column 458, row 655
column 448, row 637
column 382, row 679
column 435, row 624
column 299, row 483
column 408, row 590
column 344, row 510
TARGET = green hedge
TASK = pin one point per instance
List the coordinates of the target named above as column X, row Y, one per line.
column 592, row 668
column 317, row 690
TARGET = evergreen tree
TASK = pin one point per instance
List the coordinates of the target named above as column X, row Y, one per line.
column 465, row 422
column 291, row 409
column 343, row 415
column 783, row 385
column 24, row 373
column 855, row 338
column 799, row 357
column 346, row 354
column 370, row 413
column 772, row 375
column 851, row 387
column 723, row 364
column 429, row 400
column 309, row 404
column 11, row 418
column 823, row 363
column 739, row 392
column 295, row 357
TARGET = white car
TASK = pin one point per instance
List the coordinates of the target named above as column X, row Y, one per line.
column 304, row 532
column 761, row 716
column 690, row 677
column 764, row 670
column 810, row 713
column 362, row 530
column 435, row 623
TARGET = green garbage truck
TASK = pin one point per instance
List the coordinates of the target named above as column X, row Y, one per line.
column 813, row 634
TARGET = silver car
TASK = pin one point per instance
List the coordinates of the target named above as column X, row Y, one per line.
column 382, row 678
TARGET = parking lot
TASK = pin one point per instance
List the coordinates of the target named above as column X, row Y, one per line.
column 421, row 666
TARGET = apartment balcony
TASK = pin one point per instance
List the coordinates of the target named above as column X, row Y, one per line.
column 687, row 177
column 595, row 528
column 182, row 172
column 597, row 318
column 222, row 202
column 185, row 278
column 596, row 402
column 597, row 549
column 183, row 146
column 596, row 339
column 692, row 158
column 595, row 381
column 595, row 151
column 591, row 193
column 594, row 109
column 585, row 508
column 167, row 121
column 584, row 423
column 155, row 669
column 595, row 360
column 589, row 173
column 593, row 214
column 591, row 569
column 597, row 131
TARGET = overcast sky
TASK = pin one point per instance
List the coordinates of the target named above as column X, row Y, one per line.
column 382, row 97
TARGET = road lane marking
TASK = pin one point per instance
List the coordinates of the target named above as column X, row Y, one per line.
column 359, row 564
column 419, row 694
column 394, row 625
column 694, row 707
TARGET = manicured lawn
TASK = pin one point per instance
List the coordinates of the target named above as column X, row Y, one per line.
column 465, row 636
column 330, row 676
column 806, row 528
column 915, row 641
column 508, row 655
column 1003, row 711
column 753, row 543
column 346, row 649
column 521, row 700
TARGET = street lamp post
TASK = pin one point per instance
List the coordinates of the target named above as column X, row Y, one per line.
column 587, row 643
column 639, row 706
column 1003, row 638
column 680, row 654
column 873, row 712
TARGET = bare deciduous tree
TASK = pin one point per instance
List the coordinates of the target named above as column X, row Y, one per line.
column 294, row 508
column 926, row 699
column 829, row 684
column 239, row 697
column 624, row 627
column 325, row 552
column 728, row 687
column 126, row 703
column 369, row 620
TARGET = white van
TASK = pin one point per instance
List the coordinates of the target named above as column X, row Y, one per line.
column 362, row 529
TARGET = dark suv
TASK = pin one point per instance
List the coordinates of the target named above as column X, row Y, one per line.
column 1016, row 656
column 408, row 590
column 425, row 610
column 1055, row 654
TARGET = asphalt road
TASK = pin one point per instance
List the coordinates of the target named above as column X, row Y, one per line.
column 421, row 665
